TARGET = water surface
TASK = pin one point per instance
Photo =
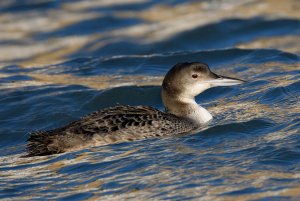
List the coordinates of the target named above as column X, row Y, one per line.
column 250, row 151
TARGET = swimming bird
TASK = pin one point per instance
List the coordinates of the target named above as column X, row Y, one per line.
column 182, row 83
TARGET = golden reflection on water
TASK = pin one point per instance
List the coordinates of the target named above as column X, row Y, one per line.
column 255, row 178
column 104, row 82
column 160, row 21
column 285, row 43
column 95, row 82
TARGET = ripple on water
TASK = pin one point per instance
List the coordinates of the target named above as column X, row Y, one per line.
column 250, row 151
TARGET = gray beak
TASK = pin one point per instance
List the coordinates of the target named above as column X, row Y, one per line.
column 224, row 81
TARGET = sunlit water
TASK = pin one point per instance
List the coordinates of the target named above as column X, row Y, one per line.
column 250, row 151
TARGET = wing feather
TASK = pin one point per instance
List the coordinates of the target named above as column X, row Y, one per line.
column 111, row 125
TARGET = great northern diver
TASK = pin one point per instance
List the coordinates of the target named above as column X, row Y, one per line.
column 127, row 123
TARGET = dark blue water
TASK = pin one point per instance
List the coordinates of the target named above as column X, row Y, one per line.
column 250, row 151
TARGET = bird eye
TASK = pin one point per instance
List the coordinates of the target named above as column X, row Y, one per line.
column 194, row 76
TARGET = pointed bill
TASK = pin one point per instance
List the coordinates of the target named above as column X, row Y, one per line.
column 225, row 81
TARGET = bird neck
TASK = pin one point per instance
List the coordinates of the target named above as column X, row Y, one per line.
column 186, row 107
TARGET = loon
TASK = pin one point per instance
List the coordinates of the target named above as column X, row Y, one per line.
column 127, row 123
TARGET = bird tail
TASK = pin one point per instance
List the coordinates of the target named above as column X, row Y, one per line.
column 39, row 144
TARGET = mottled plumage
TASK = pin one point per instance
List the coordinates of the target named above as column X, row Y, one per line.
column 111, row 125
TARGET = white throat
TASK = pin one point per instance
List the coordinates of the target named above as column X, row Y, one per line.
column 184, row 104
column 196, row 113
column 188, row 108
column 201, row 116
